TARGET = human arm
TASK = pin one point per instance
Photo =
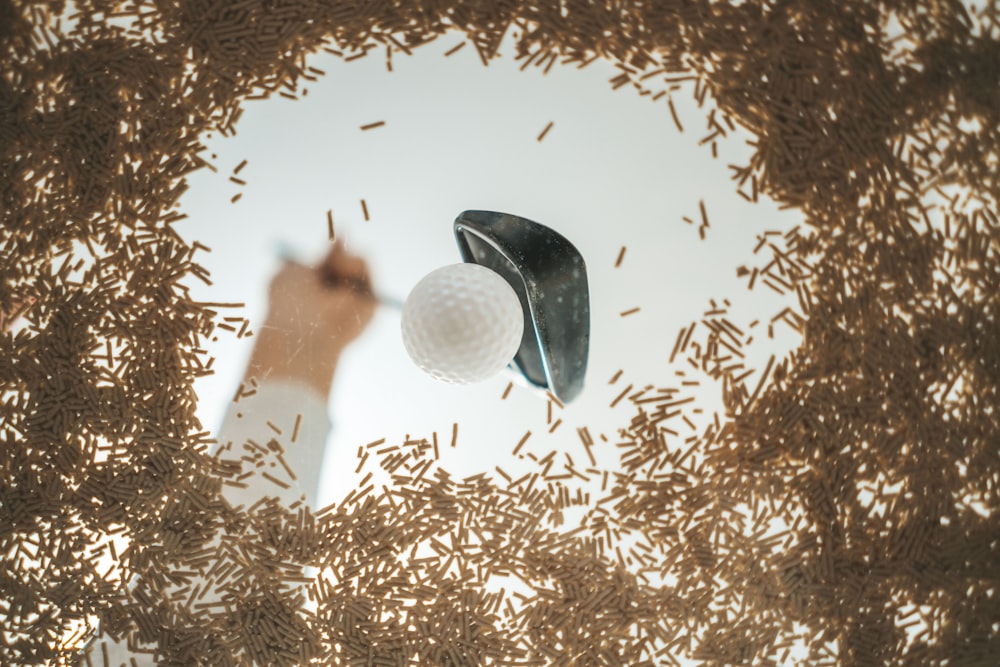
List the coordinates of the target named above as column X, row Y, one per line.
column 313, row 314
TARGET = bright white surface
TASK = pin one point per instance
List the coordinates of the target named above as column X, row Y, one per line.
column 613, row 171
column 462, row 323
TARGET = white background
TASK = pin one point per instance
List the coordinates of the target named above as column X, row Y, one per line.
column 613, row 171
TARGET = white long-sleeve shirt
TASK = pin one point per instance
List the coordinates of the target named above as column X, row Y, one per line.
column 298, row 412
column 251, row 422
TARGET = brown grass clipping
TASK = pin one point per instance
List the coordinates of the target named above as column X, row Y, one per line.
column 844, row 504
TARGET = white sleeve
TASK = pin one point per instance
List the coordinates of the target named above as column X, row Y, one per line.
column 250, row 429
column 294, row 417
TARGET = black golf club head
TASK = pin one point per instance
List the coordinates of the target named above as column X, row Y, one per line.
column 549, row 276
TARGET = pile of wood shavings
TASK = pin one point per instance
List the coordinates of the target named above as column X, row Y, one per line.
column 845, row 502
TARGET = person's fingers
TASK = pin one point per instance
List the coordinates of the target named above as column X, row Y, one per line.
column 343, row 268
column 339, row 264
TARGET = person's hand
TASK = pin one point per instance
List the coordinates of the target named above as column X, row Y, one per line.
column 332, row 302
column 313, row 314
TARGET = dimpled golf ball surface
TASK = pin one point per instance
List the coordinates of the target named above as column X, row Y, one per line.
column 462, row 323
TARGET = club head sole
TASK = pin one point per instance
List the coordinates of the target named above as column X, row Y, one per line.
column 549, row 276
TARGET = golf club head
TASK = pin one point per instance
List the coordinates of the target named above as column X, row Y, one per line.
column 549, row 276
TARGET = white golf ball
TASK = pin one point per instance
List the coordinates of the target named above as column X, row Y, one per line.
column 462, row 323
